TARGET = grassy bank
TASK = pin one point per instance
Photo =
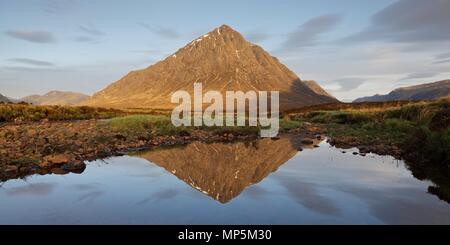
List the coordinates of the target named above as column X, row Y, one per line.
column 160, row 125
column 420, row 129
column 25, row 112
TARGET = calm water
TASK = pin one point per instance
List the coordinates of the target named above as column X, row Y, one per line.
column 264, row 182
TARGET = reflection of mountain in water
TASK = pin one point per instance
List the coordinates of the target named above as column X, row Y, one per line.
column 222, row 170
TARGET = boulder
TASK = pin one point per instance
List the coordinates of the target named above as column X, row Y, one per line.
column 74, row 166
column 306, row 141
column 57, row 159
column 11, row 170
column 59, row 171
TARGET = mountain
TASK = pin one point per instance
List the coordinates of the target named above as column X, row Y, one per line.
column 56, row 98
column 316, row 88
column 221, row 60
column 3, row 99
column 13, row 100
column 427, row 91
column 222, row 171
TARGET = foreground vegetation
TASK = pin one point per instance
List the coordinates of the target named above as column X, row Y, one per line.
column 26, row 112
column 420, row 129
column 161, row 125
column 47, row 135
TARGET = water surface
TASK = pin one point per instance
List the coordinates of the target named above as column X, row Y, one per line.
column 261, row 182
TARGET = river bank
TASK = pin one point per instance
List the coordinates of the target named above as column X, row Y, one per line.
column 61, row 147
column 417, row 133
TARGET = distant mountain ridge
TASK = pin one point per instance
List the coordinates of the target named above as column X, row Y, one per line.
column 56, row 98
column 221, row 60
column 427, row 91
column 4, row 98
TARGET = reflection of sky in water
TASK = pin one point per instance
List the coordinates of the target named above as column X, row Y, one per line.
column 317, row 186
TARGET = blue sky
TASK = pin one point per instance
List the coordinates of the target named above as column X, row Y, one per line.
column 351, row 47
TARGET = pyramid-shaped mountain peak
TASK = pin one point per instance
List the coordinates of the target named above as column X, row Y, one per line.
column 223, row 38
column 222, row 60
column 225, row 30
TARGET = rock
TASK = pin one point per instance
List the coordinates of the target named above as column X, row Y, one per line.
column 120, row 137
column 75, row 165
column 44, row 164
column 59, row 171
column 142, row 138
column 11, row 170
column 343, row 151
column 316, row 146
column 25, row 170
column 364, row 149
column 362, row 154
column 318, row 136
column 306, row 141
column 355, row 153
column 300, row 149
column 57, row 159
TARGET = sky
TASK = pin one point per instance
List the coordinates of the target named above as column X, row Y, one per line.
column 352, row 48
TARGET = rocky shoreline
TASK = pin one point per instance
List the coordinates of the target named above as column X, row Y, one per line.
column 381, row 148
column 62, row 147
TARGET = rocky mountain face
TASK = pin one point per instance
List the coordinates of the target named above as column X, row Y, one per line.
column 317, row 88
column 222, row 171
column 3, row 98
column 56, row 98
column 221, row 60
column 427, row 91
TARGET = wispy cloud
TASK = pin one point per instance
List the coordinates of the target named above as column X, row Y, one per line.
column 162, row 31
column 32, row 36
column 417, row 75
column 442, row 58
column 349, row 83
column 148, row 51
column 309, row 33
column 257, row 36
column 92, row 30
column 35, row 189
column 441, row 61
column 85, row 39
column 31, row 61
column 33, row 70
column 91, row 34
column 59, row 6
column 159, row 196
column 408, row 21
